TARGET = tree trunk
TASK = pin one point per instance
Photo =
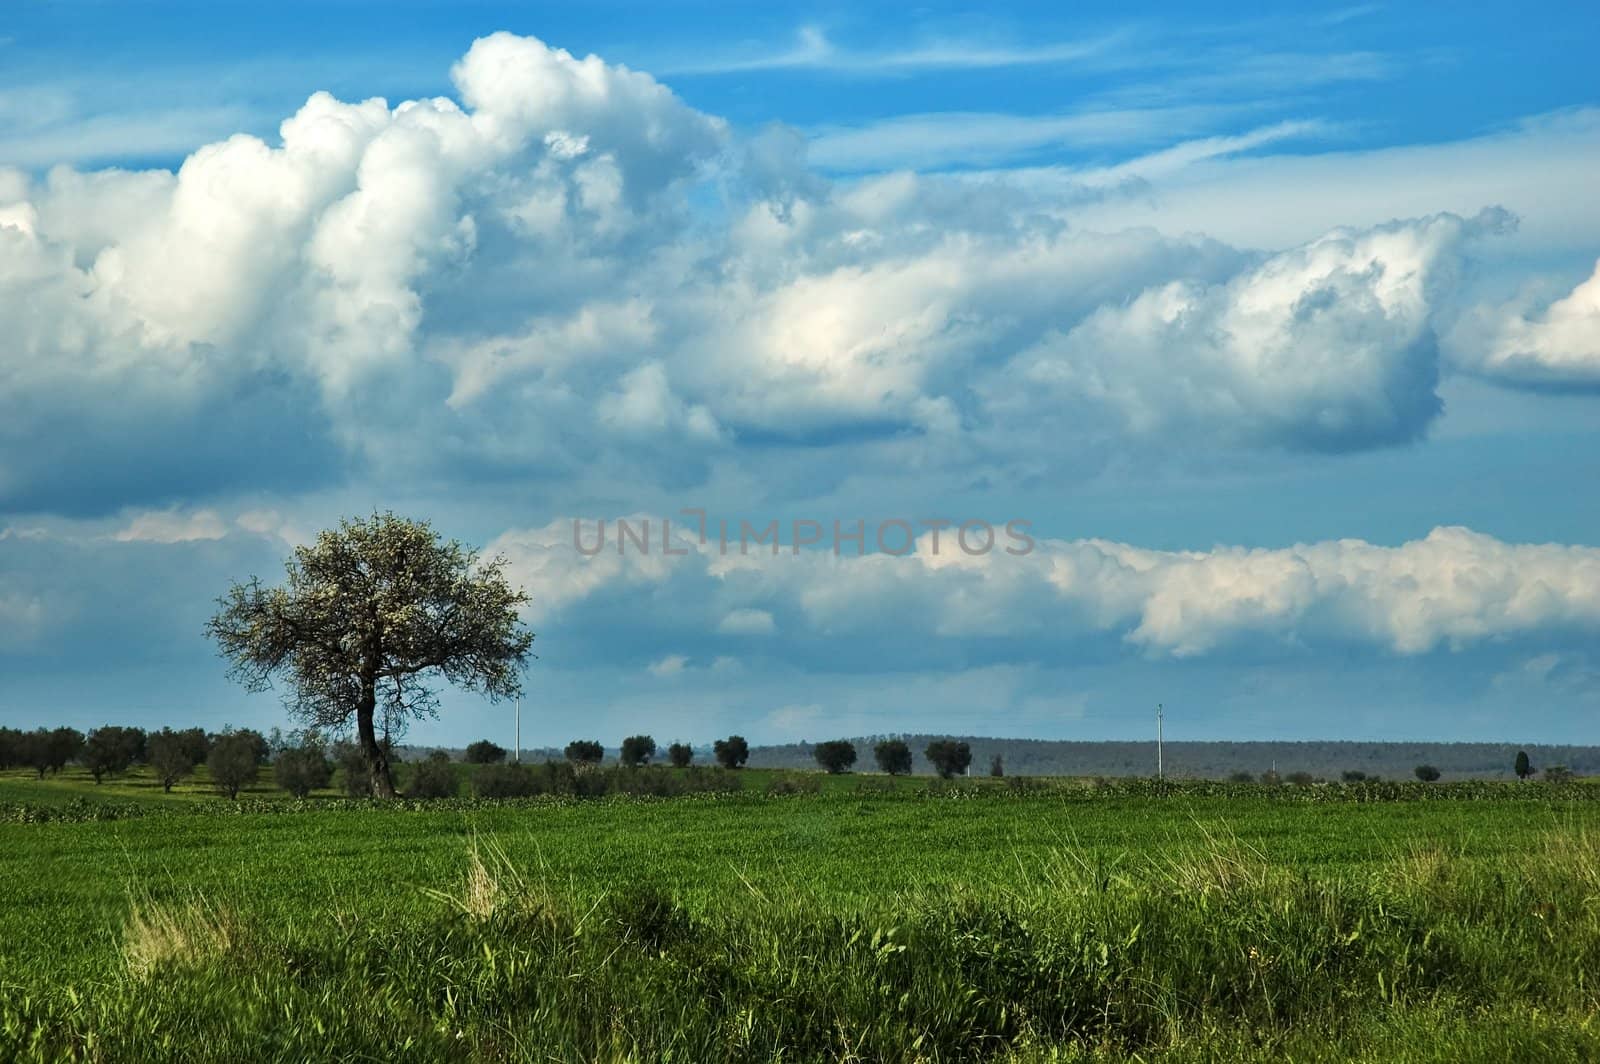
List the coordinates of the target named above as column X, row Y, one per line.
column 377, row 757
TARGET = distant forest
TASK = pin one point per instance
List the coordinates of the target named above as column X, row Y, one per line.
column 1215, row 760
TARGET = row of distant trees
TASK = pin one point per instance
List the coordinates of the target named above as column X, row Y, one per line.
column 1522, row 766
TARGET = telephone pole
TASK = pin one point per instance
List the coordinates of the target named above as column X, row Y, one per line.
column 1158, row 740
column 516, row 744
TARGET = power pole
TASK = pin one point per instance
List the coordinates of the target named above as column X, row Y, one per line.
column 1158, row 740
column 516, row 745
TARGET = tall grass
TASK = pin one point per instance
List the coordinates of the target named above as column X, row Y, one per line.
column 1212, row 953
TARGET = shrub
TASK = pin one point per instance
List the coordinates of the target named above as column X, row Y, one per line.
column 1270, row 778
column 793, row 783
column 585, row 752
column 1241, row 777
column 505, row 781
column 893, row 756
column 997, row 766
column 303, row 767
column 483, row 752
column 835, row 756
column 232, row 762
column 1558, row 774
column 434, row 778
column 731, row 752
column 948, row 757
column 1426, row 773
column 1300, row 779
column 1353, row 776
column 353, row 766
column 681, row 754
column 637, row 750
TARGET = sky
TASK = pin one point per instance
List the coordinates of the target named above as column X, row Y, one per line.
column 1237, row 361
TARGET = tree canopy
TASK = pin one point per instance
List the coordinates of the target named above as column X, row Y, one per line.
column 371, row 616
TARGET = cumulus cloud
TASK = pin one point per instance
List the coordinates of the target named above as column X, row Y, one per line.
column 565, row 269
column 1556, row 344
column 1453, row 589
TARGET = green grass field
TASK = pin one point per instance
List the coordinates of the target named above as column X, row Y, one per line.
column 836, row 926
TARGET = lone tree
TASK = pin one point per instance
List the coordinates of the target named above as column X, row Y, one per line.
column 372, row 614
column 731, row 752
column 893, row 756
column 1524, row 767
column 171, row 756
column 1426, row 773
column 835, row 756
column 484, row 752
column 637, row 750
column 948, row 757
column 681, row 755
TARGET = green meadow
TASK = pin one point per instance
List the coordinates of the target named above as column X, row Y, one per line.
column 841, row 920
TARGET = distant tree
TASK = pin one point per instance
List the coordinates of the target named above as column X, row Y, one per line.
column 948, row 757
column 1559, row 774
column 302, row 764
column 434, row 778
column 893, row 756
column 681, row 755
column 731, row 752
column 1524, row 767
column 50, row 749
column 170, row 755
column 483, row 752
column 835, row 756
column 1241, row 777
column 111, row 751
column 371, row 613
column 1426, row 773
column 1351, row 775
column 1271, row 778
column 10, row 747
column 637, row 750
column 352, row 765
column 1300, row 779
column 232, row 762
column 585, row 752
column 997, row 766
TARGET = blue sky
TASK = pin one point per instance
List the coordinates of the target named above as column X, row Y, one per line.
column 1281, row 332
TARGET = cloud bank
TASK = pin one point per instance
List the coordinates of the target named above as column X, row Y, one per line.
column 567, row 269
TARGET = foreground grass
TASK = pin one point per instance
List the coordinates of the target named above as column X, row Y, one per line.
column 818, row 927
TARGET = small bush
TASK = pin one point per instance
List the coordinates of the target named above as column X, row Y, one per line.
column 1241, row 777
column 1426, row 773
column 433, row 778
column 794, row 783
column 505, row 781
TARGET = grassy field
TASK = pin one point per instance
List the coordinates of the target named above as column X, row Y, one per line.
column 894, row 926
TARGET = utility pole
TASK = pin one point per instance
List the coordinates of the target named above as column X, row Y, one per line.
column 1158, row 740
column 516, row 746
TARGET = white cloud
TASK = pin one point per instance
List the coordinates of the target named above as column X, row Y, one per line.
column 671, row 665
column 747, row 622
column 1556, row 344
column 172, row 526
column 534, row 278
column 1454, row 588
